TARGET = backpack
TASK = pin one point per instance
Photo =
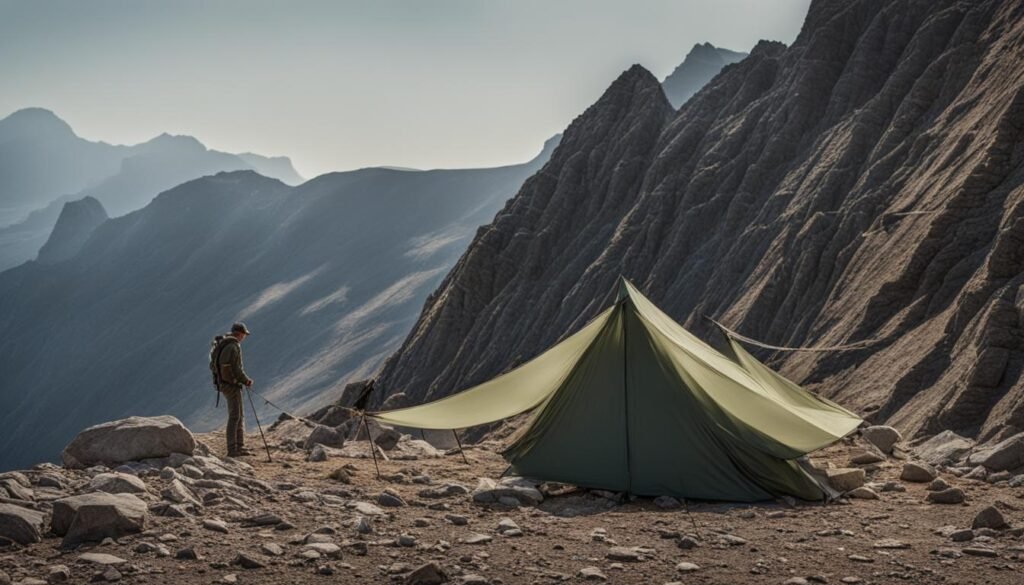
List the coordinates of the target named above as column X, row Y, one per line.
column 216, row 348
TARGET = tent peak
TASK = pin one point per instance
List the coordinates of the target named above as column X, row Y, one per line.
column 623, row 285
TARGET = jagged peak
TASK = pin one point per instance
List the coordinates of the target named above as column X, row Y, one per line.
column 768, row 48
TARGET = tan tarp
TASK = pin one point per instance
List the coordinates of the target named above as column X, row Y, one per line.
column 634, row 402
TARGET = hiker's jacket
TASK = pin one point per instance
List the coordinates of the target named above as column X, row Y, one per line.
column 231, row 372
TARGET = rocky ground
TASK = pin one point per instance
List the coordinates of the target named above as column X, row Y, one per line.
column 430, row 519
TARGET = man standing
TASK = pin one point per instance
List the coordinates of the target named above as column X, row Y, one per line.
column 231, row 379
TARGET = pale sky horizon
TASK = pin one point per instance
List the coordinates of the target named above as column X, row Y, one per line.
column 343, row 85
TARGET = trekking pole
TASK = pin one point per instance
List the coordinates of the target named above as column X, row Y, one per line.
column 258, row 425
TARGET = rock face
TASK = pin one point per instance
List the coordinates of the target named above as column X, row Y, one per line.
column 861, row 185
column 701, row 64
column 93, row 517
column 77, row 221
column 129, row 439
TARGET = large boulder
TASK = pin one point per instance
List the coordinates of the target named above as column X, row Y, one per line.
column 1006, row 455
column 20, row 525
column 882, row 437
column 129, row 439
column 945, row 448
column 95, row 516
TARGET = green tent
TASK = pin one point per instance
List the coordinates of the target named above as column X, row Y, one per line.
column 633, row 402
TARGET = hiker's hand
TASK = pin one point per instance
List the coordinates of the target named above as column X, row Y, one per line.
column 248, row 383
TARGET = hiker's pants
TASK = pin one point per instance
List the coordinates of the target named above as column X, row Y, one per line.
column 235, row 430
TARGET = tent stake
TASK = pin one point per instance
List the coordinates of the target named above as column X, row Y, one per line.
column 461, row 450
column 373, row 450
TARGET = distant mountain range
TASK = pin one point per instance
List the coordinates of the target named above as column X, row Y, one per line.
column 702, row 63
column 329, row 275
column 860, row 192
column 43, row 164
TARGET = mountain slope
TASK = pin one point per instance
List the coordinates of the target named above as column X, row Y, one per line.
column 865, row 183
column 329, row 275
column 702, row 63
column 47, row 165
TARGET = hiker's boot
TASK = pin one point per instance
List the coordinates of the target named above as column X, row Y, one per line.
column 243, row 452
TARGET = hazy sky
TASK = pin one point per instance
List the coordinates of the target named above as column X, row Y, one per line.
column 340, row 85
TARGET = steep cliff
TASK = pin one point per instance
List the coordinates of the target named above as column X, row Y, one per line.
column 76, row 223
column 865, row 183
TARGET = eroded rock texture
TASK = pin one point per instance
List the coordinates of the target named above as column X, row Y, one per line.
column 863, row 184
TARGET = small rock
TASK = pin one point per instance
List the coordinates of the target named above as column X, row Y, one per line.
column 444, row 491
column 506, row 525
column 890, row 543
column 58, row 574
column 687, row 567
column 271, row 549
column 979, row 551
column 592, row 574
column 427, row 574
column 947, row 496
column 215, row 525
column 666, row 502
column 882, row 437
column 687, row 543
column 101, row 559
column 846, row 479
column 917, row 472
column 362, row 525
column 477, row 538
column 938, row 484
column 979, row 473
column 187, row 554
column 390, row 500
column 247, row 561
column 860, row 559
column 963, row 535
column 622, row 553
column 989, row 517
column 456, row 519
column 863, row 493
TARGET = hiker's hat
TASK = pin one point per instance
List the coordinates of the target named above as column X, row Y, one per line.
column 240, row 328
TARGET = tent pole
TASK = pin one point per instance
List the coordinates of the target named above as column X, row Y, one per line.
column 373, row 450
column 686, row 506
column 461, row 450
